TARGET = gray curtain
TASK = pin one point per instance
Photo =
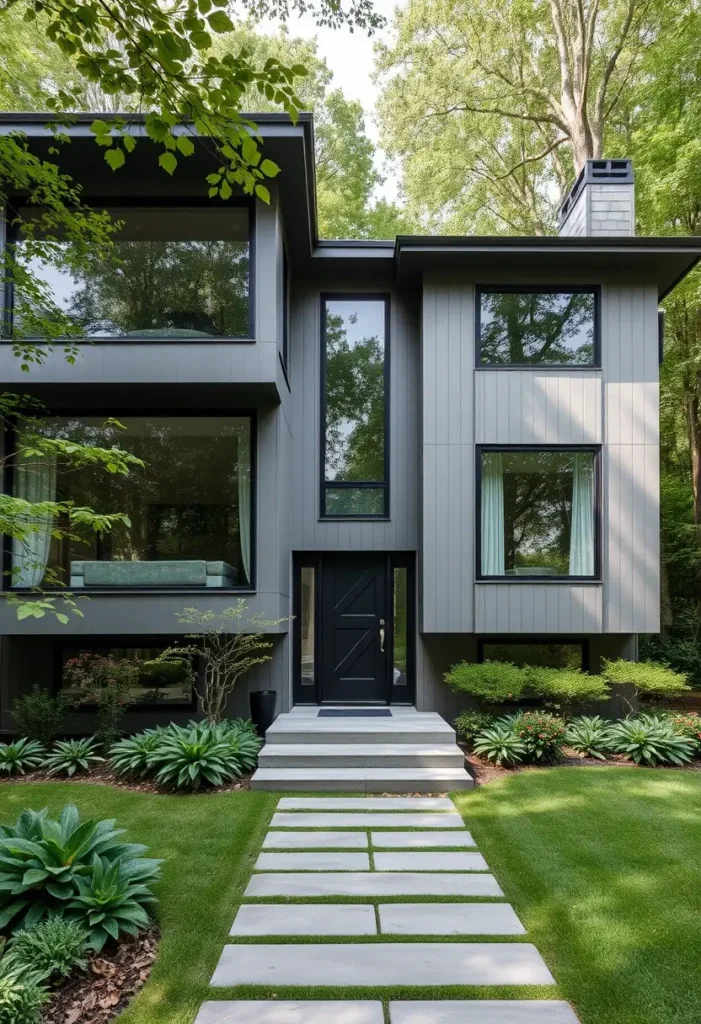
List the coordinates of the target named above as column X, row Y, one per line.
column 35, row 481
column 582, row 529
column 492, row 522
column 244, row 470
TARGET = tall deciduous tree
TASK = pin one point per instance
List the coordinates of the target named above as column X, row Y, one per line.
column 491, row 106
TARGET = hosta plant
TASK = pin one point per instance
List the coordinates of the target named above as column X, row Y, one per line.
column 500, row 744
column 200, row 753
column 42, row 861
column 591, row 736
column 542, row 736
column 650, row 740
column 72, row 756
column 51, row 949
column 21, row 756
column 131, row 756
column 111, row 900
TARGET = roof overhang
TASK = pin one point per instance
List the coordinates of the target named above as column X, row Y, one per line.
column 662, row 260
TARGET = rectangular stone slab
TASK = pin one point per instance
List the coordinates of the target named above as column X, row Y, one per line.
column 417, row 860
column 372, row 883
column 449, row 919
column 321, row 840
column 279, row 1011
column 390, row 963
column 366, row 803
column 417, row 840
column 482, row 1011
column 305, row 919
column 304, row 861
column 367, row 820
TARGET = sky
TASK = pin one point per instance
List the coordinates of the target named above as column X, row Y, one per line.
column 350, row 57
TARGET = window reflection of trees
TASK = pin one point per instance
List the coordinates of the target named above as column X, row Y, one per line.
column 537, row 327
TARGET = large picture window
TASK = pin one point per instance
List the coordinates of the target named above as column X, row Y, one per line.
column 537, row 327
column 539, row 653
column 354, row 407
column 538, row 513
column 189, row 508
column 177, row 272
column 162, row 684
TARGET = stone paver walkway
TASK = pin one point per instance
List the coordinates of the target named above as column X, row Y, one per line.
column 360, row 849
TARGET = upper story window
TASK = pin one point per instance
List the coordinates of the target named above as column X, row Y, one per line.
column 538, row 514
column 189, row 507
column 525, row 326
column 355, row 405
column 177, row 272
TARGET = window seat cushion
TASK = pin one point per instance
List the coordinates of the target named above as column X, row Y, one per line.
column 181, row 573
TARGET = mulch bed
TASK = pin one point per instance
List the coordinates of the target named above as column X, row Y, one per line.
column 484, row 771
column 111, row 980
column 102, row 775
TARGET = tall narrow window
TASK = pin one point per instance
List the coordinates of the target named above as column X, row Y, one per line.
column 537, row 513
column 400, row 638
column 308, row 631
column 354, row 408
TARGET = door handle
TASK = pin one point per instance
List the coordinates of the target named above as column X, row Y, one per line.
column 382, row 635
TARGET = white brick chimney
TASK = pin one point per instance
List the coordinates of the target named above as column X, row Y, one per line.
column 601, row 201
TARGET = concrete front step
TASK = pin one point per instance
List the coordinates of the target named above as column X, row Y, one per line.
column 427, row 729
column 363, row 780
column 361, row 755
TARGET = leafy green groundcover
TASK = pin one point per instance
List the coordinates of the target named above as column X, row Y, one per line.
column 603, row 867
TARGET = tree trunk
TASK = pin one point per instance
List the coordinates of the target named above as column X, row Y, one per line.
column 693, row 411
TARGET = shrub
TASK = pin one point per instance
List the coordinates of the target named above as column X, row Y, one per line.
column 51, row 949
column 201, row 753
column 108, row 683
column 652, row 682
column 131, row 756
column 469, row 723
column 687, row 724
column 43, row 860
column 21, row 756
column 542, row 735
column 500, row 744
column 490, row 682
column 590, row 736
column 111, row 901
column 21, row 994
column 71, row 756
column 650, row 740
column 39, row 715
column 566, row 689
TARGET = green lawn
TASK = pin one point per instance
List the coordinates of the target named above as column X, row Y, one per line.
column 601, row 864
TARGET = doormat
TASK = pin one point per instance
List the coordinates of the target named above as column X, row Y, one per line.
column 361, row 713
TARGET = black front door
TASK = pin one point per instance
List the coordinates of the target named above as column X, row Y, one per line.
column 354, row 617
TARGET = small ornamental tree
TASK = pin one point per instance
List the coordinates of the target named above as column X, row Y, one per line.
column 230, row 643
column 566, row 690
column 652, row 683
column 488, row 682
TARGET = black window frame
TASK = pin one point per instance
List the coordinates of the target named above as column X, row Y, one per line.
column 325, row 484
column 6, row 476
column 538, row 289
column 596, row 450
column 534, row 640
column 167, row 202
column 103, row 642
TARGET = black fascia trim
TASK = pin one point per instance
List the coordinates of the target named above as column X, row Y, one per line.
column 517, row 580
column 324, row 484
column 7, row 475
column 539, row 289
column 100, row 202
column 105, row 642
column 536, row 639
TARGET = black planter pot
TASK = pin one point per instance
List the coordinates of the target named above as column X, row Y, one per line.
column 263, row 709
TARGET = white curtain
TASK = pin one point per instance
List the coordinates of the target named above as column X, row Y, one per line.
column 492, row 524
column 35, row 481
column 582, row 531
column 244, row 468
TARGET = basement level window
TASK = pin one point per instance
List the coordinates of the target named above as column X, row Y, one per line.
column 537, row 327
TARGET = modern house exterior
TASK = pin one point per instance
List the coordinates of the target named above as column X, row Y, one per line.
column 402, row 453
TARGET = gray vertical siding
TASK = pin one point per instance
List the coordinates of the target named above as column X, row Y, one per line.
column 307, row 532
column 538, row 608
column 538, row 407
column 447, row 453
